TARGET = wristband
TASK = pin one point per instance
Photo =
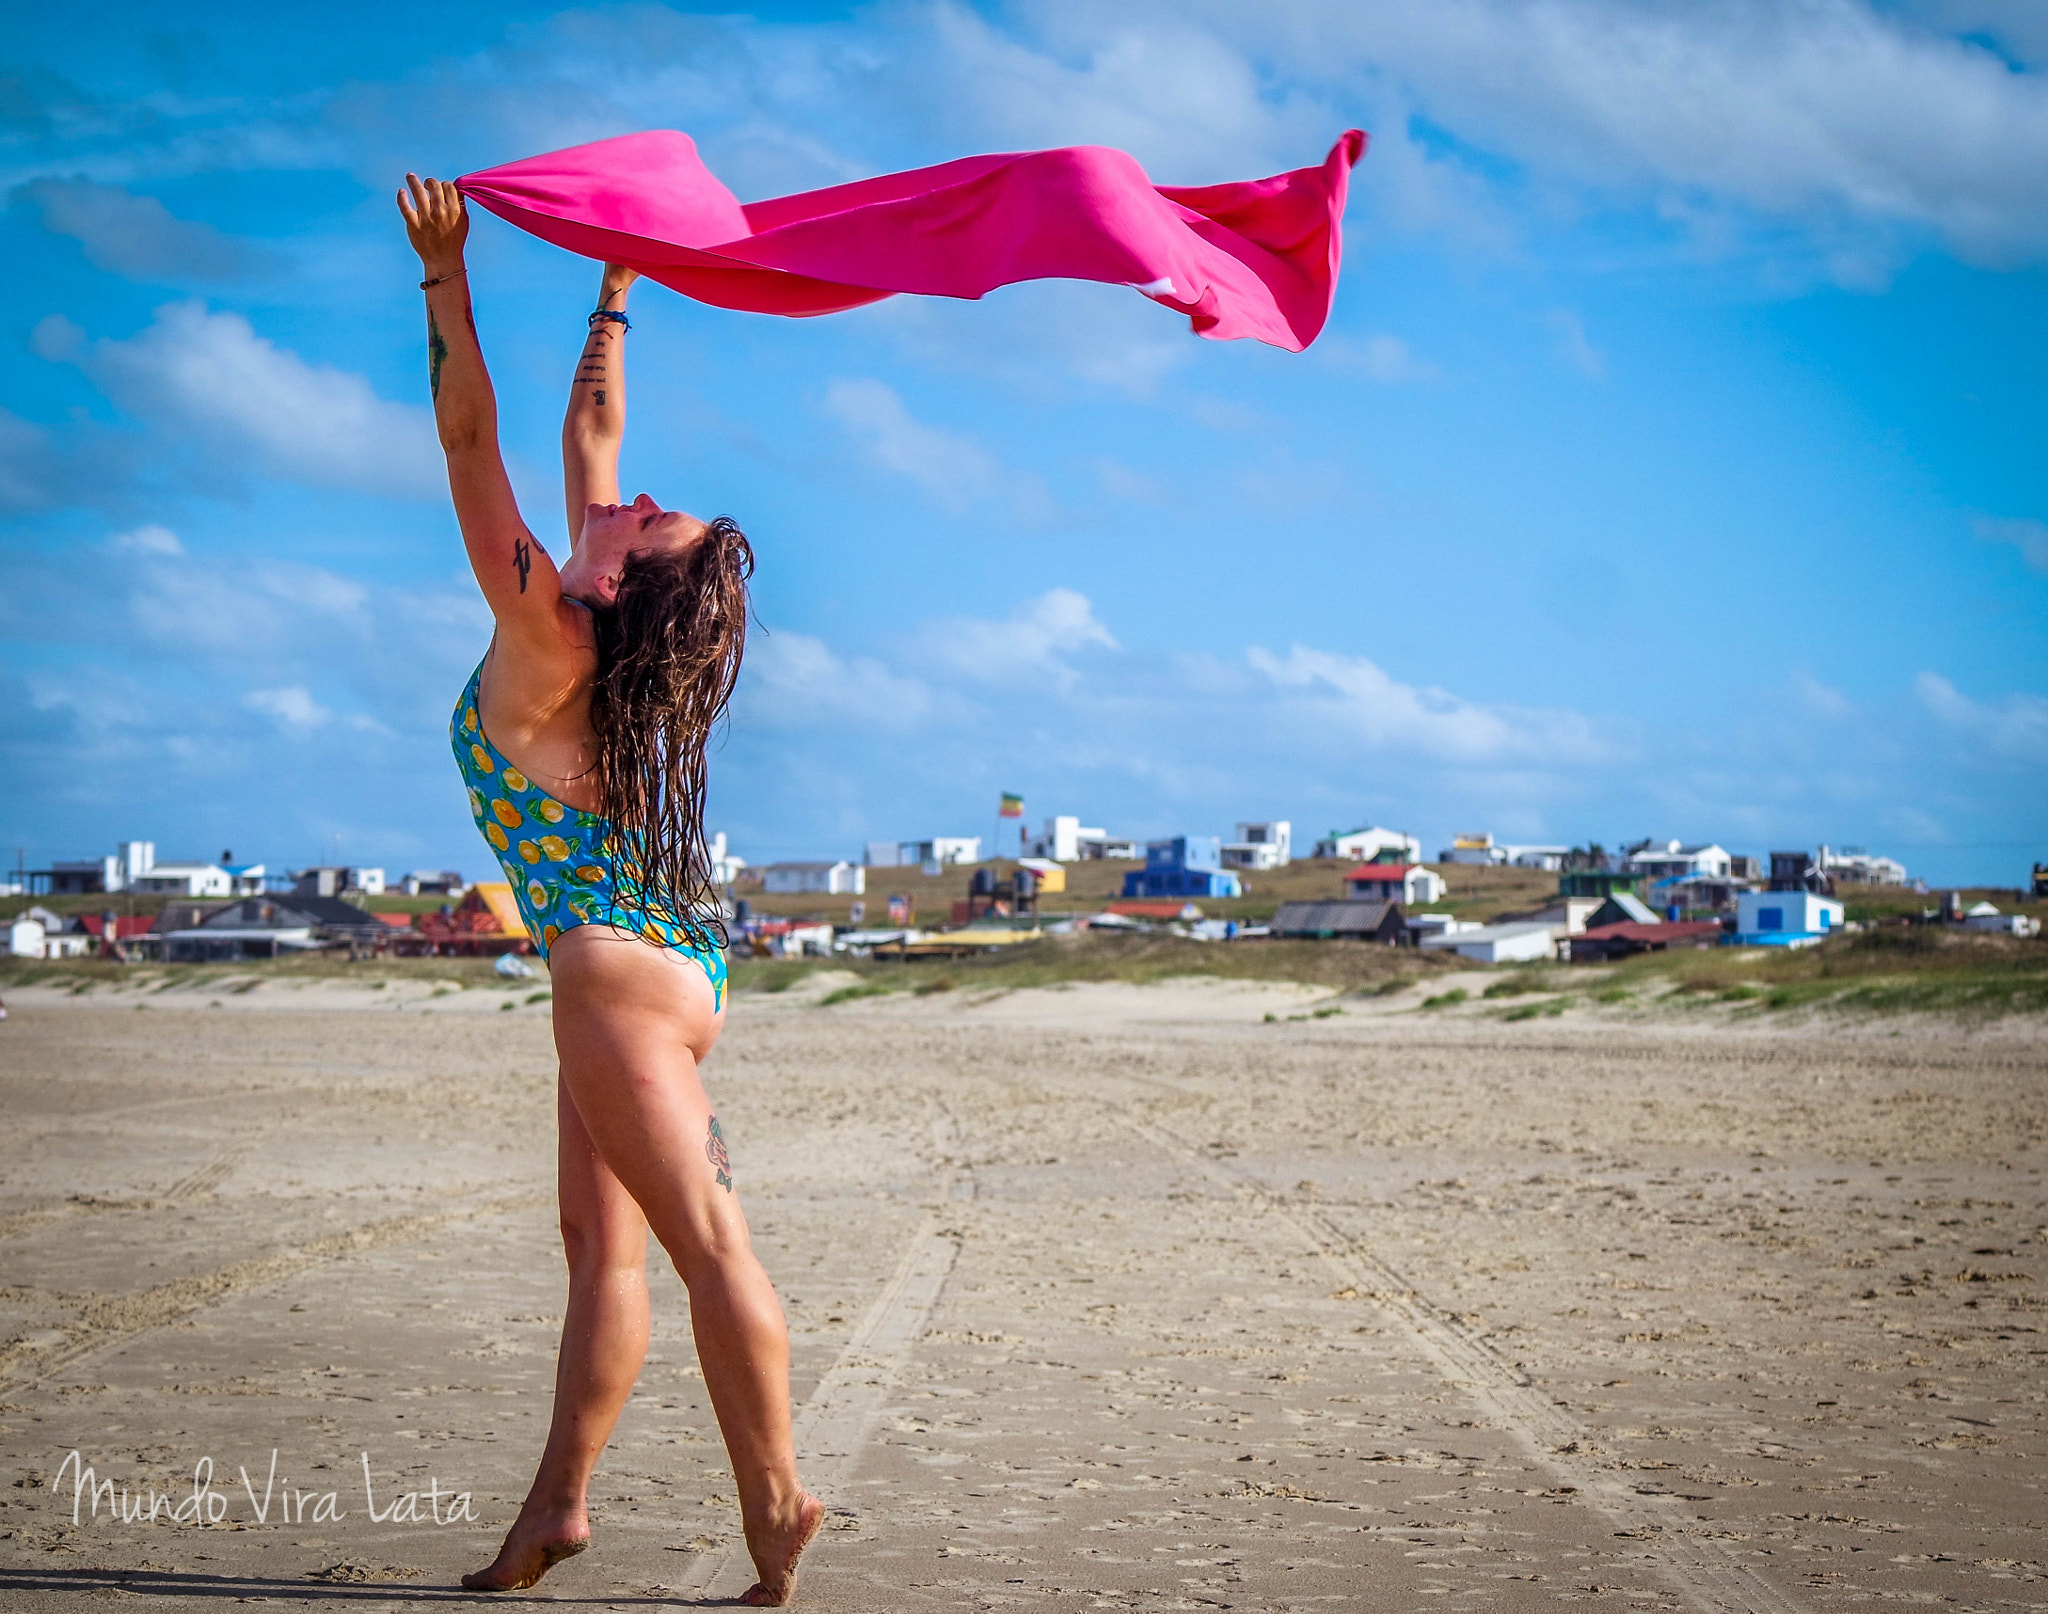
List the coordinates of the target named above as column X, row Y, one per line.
column 456, row 274
column 616, row 318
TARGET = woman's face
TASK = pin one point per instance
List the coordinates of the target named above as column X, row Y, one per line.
column 611, row 532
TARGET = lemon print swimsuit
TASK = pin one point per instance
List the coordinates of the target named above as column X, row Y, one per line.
column 565, row 865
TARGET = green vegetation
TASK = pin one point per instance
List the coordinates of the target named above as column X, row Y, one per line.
column 1444, row 1000
column 851, row 994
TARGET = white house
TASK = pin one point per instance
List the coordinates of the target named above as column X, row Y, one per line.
column 1498, row 944
column 1853, row 863
column 725, row 868
column 332, row 879
column 1660, row 860
column 822, row 879
column 1260, row 846
column 1066, row 839
column 940, row 849
column 1474, row 848
column 25, row 937
column 1550, row 858
column 1409, row 884
column 1363, row 845
column 1784, row 918
column 185, row 880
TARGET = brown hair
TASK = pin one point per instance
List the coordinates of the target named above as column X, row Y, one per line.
column 668, row 655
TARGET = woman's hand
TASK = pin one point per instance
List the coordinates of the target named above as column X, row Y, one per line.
column 436, row 223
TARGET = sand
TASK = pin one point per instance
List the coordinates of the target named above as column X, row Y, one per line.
column 1105, row 1297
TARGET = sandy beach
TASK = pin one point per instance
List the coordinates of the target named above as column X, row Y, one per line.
column 1101, row 1297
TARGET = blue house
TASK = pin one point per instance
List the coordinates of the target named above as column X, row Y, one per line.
column 1186, row 866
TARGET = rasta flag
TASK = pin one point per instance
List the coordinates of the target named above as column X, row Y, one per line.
column 1012, row 807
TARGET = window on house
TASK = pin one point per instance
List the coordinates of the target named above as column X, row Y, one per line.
column 1770, row 919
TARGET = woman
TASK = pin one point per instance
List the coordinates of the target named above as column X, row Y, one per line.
column 581, row 736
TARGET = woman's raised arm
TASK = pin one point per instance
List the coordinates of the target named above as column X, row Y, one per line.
column 515, row 573
column 595, row 424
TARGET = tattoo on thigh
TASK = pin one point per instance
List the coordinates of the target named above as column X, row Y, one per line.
column 714, row 1151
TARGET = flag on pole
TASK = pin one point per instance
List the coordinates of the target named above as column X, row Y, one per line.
column 1012, row 807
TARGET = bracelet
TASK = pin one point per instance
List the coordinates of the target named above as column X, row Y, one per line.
column 616, row 318
column 454, row 274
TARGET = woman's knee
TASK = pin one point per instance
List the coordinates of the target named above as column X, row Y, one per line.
column 594, row 1240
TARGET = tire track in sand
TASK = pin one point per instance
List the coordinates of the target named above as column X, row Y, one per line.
column 1699, row 1568
column 106, row 1320
column 834, row 1424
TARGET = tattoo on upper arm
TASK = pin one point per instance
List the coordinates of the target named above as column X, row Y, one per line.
column 437, row 354
column 714, row 1151
column 522, row 557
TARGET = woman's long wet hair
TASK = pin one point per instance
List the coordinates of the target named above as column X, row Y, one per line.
column 668, row 655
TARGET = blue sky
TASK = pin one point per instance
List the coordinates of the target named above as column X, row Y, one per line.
column 1671, row 465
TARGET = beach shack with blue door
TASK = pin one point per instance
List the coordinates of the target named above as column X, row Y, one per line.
column 1784, row 918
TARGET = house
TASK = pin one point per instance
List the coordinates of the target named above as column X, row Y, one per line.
column 184, row 880
column 1550, row 859
column 1854, row 864
column 1784, row 918
column 1364, row 845
column 1597, row 883
column 804, row 879
column 244, row 879
column 1408, row 883
column 1051, row 876
column 25, row 937
column 1469, row 849
column 486, row 921
column 1621, row 908
column 1599, row 944
column 90, row 876
column 1360, row 921
column 1660, row 860
column 332, row 879
column 1265, row 845
column 1498, row 944
column 433, row 883
column 1693, row 891
column 725, row 867
column 1441, row 924
column 1184, row 866
column 940, row 849
column 128, row 937
column 1983, row 916
column 1569, row 914
column 1066, row 839
column 257, row 927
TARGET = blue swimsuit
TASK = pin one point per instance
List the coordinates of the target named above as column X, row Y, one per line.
column 564, row 864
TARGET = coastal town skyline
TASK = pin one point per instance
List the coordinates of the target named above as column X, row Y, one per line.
column 1653, row 477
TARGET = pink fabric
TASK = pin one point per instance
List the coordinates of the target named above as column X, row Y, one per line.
column 1257, row 258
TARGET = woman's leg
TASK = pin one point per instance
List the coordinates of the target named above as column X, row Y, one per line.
column 604, row 1341
column 629, row 1024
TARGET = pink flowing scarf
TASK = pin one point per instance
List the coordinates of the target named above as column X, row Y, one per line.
column 1257, row 258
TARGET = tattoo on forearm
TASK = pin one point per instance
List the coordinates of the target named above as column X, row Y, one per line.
column 522, row 557
column 714, row 1151
column 437, row 354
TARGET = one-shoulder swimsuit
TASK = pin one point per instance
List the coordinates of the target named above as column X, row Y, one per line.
column 566, row 865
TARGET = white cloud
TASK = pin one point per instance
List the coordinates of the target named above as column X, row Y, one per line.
column 137, row 236
column 1572, row 345
column 1360, row 699
column 1379, row 357
column 1824, row 113
column 2016, row 727
column 792, row 680
column 1822, row 700
column 292, row 706
column 952, row 468
column 146, row 540
column 2028, row 536
column 211, row 377
column 1035, row 639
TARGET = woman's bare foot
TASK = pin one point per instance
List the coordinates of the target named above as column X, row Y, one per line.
column 776, row 1551
column 537, row 1541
